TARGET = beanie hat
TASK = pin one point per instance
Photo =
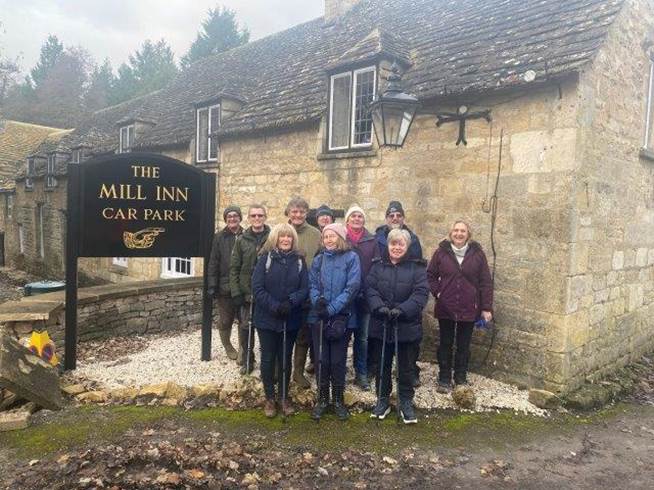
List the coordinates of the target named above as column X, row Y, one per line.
column 324, row 210
column 394, row 207
column 354, row 209
column 232, row 209
column 337, row 228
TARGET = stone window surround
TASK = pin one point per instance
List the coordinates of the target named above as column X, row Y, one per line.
column 21, row 238
column 124, row 134
column 209, row 109
column 353, row 75
column 31, row 170
column 50, row 179
column 647, row 150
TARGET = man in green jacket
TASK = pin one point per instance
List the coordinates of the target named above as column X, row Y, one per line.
column 218, row 275
column 309, row 242
column 244, row 258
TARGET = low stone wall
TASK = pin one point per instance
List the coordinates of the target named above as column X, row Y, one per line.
column 128, row 308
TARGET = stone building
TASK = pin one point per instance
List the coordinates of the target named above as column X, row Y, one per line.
column 569, row 86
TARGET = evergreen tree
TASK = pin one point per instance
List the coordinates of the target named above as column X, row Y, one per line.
column 219, row 32
column 50, row 53
column 100, row 89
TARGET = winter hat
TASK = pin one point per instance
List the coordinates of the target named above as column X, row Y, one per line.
column 337, row 228
column 324, row 210
column 354, row 209
column 394, row 207
column 232, row 209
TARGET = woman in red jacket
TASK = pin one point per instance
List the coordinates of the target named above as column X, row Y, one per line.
column 460, row 280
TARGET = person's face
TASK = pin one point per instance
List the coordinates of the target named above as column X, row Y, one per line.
column 285, row 243
column 397, row 249
column 356, row 220
column 395, row 220
column 324, row 220
column 297, row 216
column 460, row 235
column 233, row 220
column 257, row 218
column 330, row 240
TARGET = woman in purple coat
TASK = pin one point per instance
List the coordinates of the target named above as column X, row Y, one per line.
column 460, row 280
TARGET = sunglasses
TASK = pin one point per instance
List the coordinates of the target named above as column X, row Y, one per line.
column 395, row 215
column 257, row 216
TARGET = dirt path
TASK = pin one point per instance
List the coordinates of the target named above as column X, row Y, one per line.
column 160, row 447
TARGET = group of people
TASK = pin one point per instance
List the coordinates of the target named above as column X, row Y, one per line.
column 309, row 290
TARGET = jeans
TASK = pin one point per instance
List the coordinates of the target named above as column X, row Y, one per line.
column 449, row 330
column 272, row 344
column 360, row 345
column 407, row 357
column 330, row 366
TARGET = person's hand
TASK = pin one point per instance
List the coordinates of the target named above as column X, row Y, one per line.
column 394, row 314
column 487, row 316
column 321, row 308
column 283, row 309
column 238, row 301
column 383, row 311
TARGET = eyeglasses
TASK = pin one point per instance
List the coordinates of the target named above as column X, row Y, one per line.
column 257, row 216
column 395, row 215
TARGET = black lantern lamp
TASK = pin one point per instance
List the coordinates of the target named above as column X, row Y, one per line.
column 393, row 112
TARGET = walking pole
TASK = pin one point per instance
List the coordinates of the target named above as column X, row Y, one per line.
column 319, row 379
column 381, row 364
column 284, row 371
column 397, row 362
column 249, row 348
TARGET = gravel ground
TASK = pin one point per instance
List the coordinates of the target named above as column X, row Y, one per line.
column 143, row 361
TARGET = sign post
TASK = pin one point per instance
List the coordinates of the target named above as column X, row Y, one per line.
column 137, row 205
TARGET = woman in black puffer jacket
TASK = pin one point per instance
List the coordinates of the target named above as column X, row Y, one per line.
column 280, row 286
column 397, row 291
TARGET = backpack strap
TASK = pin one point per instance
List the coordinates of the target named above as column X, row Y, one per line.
column 269, row 263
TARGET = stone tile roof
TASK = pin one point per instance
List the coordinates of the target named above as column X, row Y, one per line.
column 454, row 46
column 18, row 140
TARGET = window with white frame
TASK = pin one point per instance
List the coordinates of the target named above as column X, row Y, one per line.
column 76, row 156
column 31, row 171
column 126, row 138
column 176, row 267
column 119, row 261
column 350, row 121
column 21, row 239
column 50, row 179
column 206, row 144
column 10, row 206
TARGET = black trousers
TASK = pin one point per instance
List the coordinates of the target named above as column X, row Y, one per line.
column 449, row 332
column 272, row 344
column 406, row 357
column 333, row 358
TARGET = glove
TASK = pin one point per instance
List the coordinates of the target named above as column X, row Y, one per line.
column 211, row 292
column 321, row 309
column 238, row 301
column 283, row 309
column 383, row 312
column 394, row 314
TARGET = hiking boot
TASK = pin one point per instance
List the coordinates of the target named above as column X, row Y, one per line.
column 443, row 387
column 270, row 409
column 407, row 412
column 321, row 405
column 225, row 338
column 287, row 408
column 381, row 410
column 460, row 379
column 362, row 382
column 416, row 379
column 299, row 361
column 340, row 409
column 244, row 369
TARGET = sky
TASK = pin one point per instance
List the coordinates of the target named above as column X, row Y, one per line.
column 116, row 28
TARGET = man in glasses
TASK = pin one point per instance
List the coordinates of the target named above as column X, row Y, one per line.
column 218, row 277
column 243, row 260
column 309, row 242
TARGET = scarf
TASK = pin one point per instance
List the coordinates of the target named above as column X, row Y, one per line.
column 459, row 253
column 354, row 236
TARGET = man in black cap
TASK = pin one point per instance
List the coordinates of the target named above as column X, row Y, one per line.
column 218, row 275
column 395, row 219
column 324, row 216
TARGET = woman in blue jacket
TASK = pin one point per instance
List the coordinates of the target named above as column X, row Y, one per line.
column 397, row 291
column 334, row 281
column 279, row 287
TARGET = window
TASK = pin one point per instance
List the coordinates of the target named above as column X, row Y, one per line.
column 10, row 206
column 206, row 145
column 177, row 267
column 39, row 230
column 29, row 182
column 77, row 156
column 50, row 179
column 119, row 261
column 126, row 138
column 350, row 121
column 21, row 239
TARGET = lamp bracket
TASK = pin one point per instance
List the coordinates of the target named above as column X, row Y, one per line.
column 461, row 118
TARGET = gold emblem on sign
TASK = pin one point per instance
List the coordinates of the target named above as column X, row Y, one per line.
column 143, row 238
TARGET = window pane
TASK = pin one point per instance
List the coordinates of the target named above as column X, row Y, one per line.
column 340, row 112
column 649, row 129
column 203, row 127
column 130, row 136
column 214, row 124
column 364, row 92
